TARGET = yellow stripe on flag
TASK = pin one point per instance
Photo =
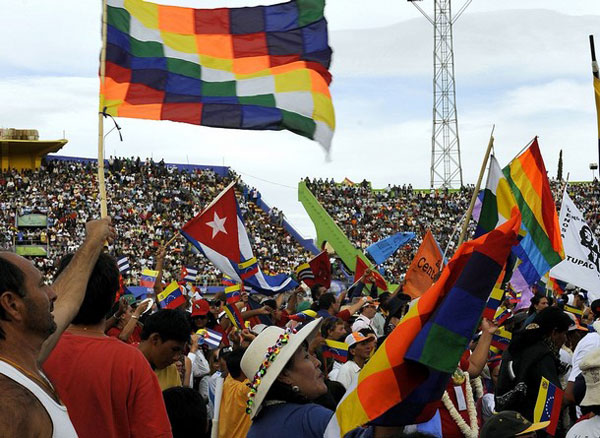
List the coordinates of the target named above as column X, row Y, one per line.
column 247, row 263
column 540, row 403
column 170, row 288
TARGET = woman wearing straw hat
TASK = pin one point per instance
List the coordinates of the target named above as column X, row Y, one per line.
column 284, row 379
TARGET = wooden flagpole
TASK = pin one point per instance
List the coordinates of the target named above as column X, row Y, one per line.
column 596, row 75
column 101, row 184
column 463, row 232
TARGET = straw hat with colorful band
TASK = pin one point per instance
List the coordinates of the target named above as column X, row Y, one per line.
column 266, row 357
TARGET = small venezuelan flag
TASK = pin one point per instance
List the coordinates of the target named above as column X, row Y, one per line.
column 574, row 310
column 304, row 316
column 232, row 293
column 501, row 339
column 336, row 350
column 548, row 405
column 172, row 297
column 234, row 315
column 148, row 278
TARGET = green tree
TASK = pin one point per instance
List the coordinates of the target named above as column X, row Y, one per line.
column 560, row 166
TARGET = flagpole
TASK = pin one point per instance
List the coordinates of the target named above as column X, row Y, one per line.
column 596, row 74
column 524, row 147
column 101, row 183
column 166, row 245
column 463, row 232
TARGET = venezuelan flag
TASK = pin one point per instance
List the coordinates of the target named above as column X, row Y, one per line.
column 574, row 310
column 172, row 297
column 548, row 405
column 336, row 350
column 148, row 278
column 410, row 370
column 494, row 302
column 501, row 339
column 234, row 315
column 542, row 247
column 305, row 316
column 502, row 314
column 232, row 293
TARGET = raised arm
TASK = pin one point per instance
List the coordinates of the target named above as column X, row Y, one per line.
column 71, row 284
column 160, row 264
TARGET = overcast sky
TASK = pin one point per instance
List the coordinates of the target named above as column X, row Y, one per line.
column 522, row 65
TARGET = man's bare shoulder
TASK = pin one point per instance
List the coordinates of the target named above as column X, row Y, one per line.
column 21, row 413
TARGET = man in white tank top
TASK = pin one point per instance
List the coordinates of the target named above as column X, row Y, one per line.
column 33, row 315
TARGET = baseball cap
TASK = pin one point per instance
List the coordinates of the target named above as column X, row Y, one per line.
column 200, row 308
column 356, row 337
column 507, row 424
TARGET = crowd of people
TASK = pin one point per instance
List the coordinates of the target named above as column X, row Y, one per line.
column 117, row 367
column 149, row 202
column 367, row 215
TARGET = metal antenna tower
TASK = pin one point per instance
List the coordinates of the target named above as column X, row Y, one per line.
column 446, row 169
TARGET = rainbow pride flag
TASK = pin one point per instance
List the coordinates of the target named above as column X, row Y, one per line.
column 410, row 370
column 541, row 248
column 261, row 68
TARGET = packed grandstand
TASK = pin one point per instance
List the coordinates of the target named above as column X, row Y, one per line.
column 149, row 201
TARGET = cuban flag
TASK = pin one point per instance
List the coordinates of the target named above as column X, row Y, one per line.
column 189, row 274
column 219, row 232
column 209, row 337
column 123, row 264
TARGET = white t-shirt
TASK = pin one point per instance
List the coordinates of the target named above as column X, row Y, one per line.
column 348, row 374
column 335, row 370
column 590, row 342
column 586, row 428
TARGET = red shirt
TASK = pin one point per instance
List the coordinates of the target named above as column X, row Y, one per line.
column 108, row 387
column 135, row 337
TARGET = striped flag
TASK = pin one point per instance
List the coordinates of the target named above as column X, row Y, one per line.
column 123, row 264
column 304, row 316
column 234, row 315
column 336, row 350
column 542, row 246
column 232, row 293
column 209, row 337
column 500, row 340
column 494, row 301
column 410, row 370
column 502, row 314
column 548, row 405
column 189, row 274
column 574, row 310
column 172, row 297
column 304, row 273
column 148, row 278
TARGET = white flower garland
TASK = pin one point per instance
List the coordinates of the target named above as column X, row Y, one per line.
column 471, row 431
column 478, row 386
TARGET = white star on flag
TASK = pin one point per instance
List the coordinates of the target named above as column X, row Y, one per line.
column 217, row 225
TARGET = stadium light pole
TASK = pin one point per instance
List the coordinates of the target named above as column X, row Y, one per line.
column 446, row 168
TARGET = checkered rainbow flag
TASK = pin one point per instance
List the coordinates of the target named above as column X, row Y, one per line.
column 261, row 68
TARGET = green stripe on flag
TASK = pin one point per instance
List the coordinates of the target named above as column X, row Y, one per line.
column 539, row 236
column 118, row 18
column 219, row 89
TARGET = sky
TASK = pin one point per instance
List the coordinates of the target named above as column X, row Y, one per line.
column 521, row 66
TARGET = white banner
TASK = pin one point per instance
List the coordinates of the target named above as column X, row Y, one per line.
column 581, row 266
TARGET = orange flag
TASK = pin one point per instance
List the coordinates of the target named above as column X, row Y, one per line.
column 425, row 267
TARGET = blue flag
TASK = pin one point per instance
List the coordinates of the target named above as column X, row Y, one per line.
column 380, row 251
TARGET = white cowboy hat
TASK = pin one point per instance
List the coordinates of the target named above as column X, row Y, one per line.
column 257, row 353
